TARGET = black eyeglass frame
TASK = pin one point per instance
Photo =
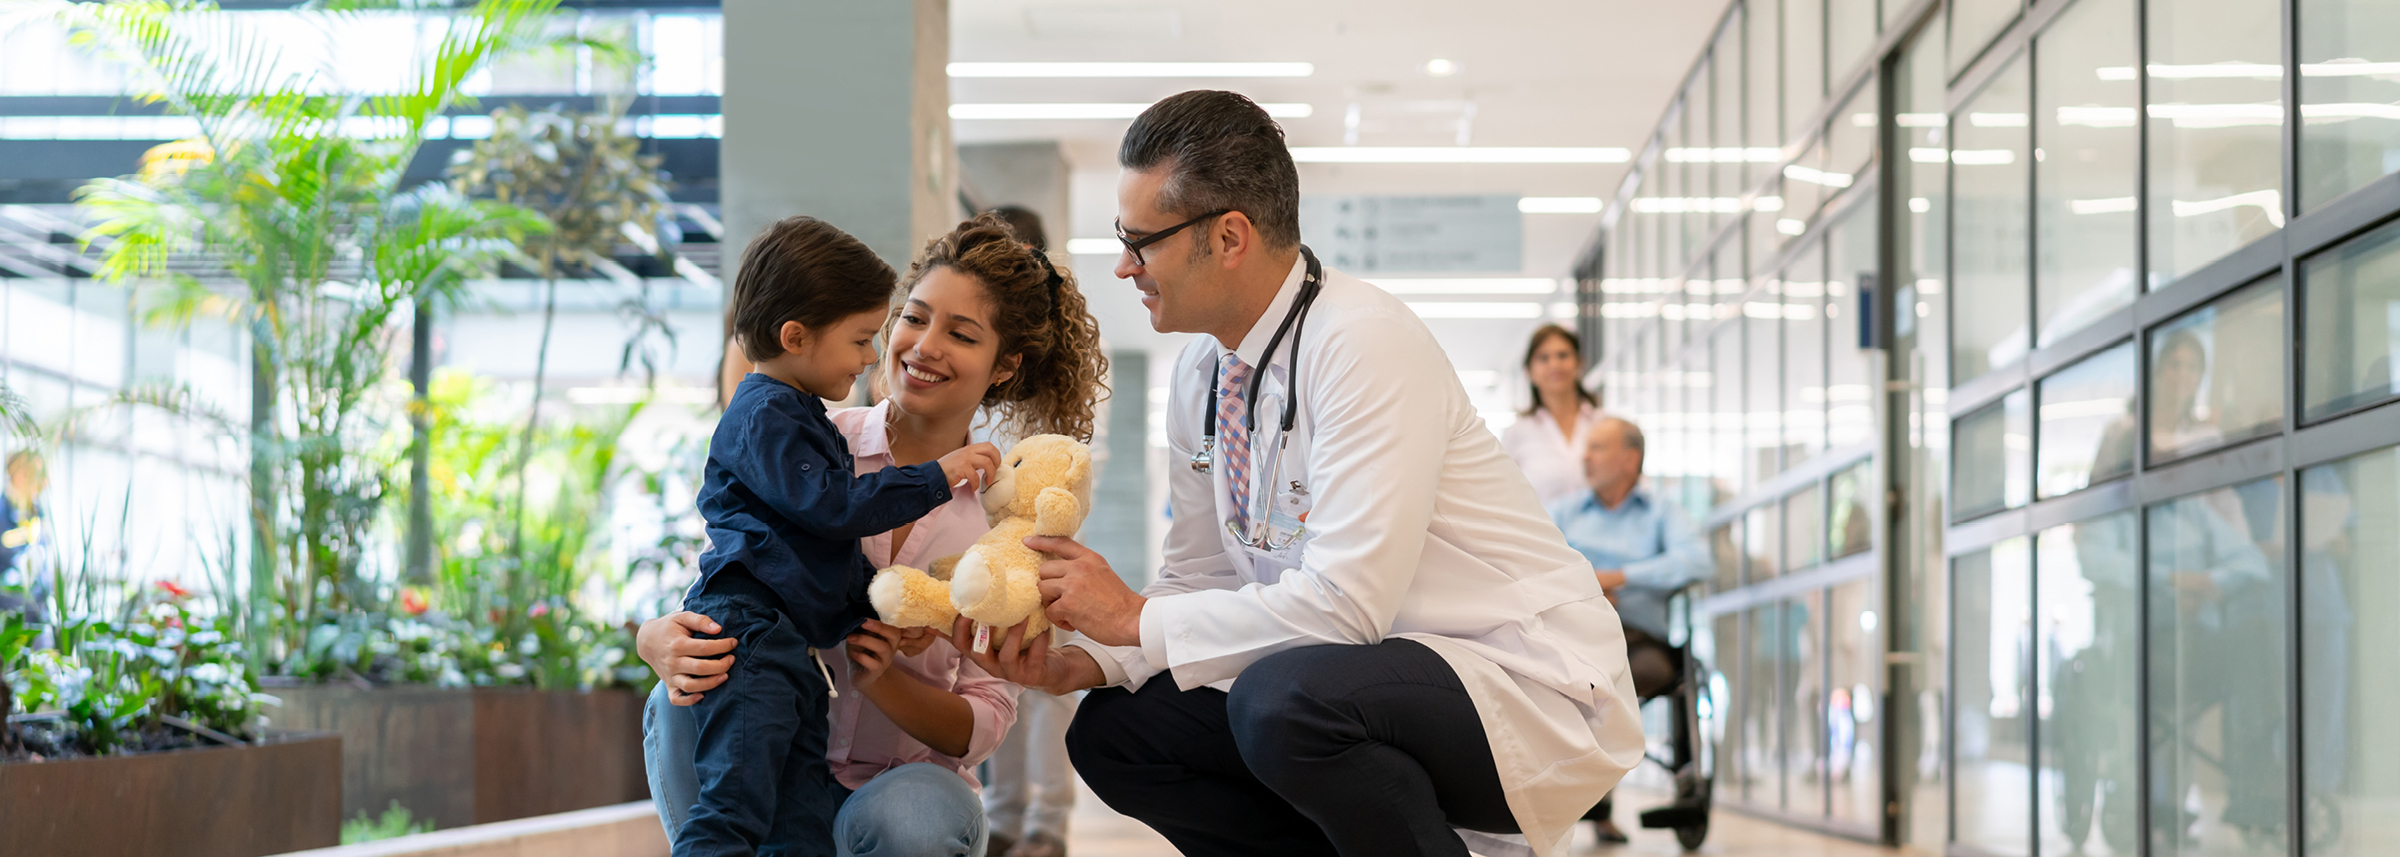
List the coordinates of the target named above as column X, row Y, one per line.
column 1134, row 246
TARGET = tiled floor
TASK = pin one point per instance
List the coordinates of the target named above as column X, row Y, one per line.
column 1099, row 832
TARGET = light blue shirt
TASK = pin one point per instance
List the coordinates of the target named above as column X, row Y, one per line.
column 1656, row 545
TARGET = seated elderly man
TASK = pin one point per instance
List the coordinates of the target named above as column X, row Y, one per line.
column 1644, row 548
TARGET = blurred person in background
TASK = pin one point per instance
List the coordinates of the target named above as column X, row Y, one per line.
column 1642, row 547
column 1547, row 440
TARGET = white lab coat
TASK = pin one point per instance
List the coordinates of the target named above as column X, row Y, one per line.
column 1417, row 526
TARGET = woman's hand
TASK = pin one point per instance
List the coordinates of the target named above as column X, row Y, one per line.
column 1036, row 665
column 688, row 665
column 872, row 649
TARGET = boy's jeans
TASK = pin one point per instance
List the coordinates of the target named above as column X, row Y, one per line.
column 758, row 748
column 908, row 811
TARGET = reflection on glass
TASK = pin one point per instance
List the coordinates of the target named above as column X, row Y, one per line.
column 1803, row 63
column 1725, row 730
column 1802, row 652
column 2083, row 168
column 1850, row 137
column 2087, row 664
column 1764, row 383
column 1973, row 23
column 2216, row 118
column 1849, row 528
column 1850, row 383
column 1803, row 529
column 1725, row 550
column 1725, row 396
column 1988, row 248
column 1852, row 737
column 2216, row 375
column 1994, row 464
column 2353, row 300
column 1762, row 733
column 1774, row 222
column 2350, row 542
column 1761, row 26
column 1992, row 674
column 1802, row 307
column 1849, row 33
column 1763, row 532
column 2088, row 425
column 2350, row 133
column 2217, row 672
column 1729, row 62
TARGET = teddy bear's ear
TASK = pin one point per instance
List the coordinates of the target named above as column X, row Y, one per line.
column 1079, row 471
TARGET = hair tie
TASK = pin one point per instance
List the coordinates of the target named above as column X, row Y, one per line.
column 1055, row 280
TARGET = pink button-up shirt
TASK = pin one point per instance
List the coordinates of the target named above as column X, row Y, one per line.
column 864, row 742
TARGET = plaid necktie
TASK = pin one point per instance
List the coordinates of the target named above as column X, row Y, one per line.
column 1233, row 436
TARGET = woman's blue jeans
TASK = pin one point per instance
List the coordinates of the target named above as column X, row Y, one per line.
column 919, row 810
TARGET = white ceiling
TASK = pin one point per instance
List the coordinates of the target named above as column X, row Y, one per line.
column 1532, row 73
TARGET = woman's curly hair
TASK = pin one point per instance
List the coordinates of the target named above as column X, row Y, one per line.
column 1039, row 315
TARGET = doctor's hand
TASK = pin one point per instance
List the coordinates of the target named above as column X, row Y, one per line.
column 1081, row 593
column 1033, row 664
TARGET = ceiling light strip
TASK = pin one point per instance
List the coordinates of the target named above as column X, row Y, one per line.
column 1131, row 69
column 1460, row 155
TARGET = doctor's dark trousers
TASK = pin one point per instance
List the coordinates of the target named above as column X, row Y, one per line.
column 1349, row 750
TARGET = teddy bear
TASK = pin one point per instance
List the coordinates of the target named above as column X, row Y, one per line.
column 1044, row 488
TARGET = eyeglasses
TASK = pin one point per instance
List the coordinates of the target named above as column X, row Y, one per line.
column 1134, row 245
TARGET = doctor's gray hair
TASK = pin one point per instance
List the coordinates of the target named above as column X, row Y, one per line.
column 1221, row 151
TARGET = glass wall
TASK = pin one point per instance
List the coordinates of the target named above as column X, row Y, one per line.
column 2013, row 366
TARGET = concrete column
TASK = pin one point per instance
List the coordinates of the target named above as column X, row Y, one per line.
column 839, row 110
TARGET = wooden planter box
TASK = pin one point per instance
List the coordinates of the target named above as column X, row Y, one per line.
column 473, row 756
column 215, row 802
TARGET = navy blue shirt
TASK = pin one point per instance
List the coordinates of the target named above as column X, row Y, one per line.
column 783, row 503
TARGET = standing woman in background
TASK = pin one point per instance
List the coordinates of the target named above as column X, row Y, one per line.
column 1547, row 440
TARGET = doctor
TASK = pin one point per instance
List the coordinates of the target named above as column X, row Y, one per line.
column 1368, row 639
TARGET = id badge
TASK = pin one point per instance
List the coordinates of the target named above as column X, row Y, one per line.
column 1288, row 518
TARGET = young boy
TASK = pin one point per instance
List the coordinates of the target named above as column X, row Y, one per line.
column 783, row 573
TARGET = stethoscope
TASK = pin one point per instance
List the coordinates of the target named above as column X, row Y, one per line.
column 1295, row 320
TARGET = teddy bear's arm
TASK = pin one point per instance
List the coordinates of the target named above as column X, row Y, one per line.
column 941, row 567
column 1057, row 513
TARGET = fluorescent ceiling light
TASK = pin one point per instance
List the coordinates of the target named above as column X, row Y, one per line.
column 1094, row 246
column 1559, row 204
column 1091, row 110
column 2218, row 115
column 1686, row 205
column 2339, row 112
column 1468, row 286
column 1463, row 309
column 2266, row 200
column 1459, row 155
column 1963, row 157
column 2098, row 117
column 1797, row 172
column 1921, row 120
column 1131, row 69
column 2108, row 205
column 1729, row 155
column 1996, row 120
column 1789, row 226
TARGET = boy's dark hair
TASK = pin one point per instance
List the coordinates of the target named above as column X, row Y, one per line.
column 803, row 269
column 1221, row 151
column 1026, row 224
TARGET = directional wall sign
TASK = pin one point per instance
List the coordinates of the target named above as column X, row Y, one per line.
column 1415, row 234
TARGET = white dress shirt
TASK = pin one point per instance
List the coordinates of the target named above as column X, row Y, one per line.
column 1416, row 525
column 1552, row 459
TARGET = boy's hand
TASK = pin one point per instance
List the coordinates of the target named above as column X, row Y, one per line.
column 872, row 649
column 975, row 463
column 914, row 641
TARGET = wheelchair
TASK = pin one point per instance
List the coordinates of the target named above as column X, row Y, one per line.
column 1691, row 759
